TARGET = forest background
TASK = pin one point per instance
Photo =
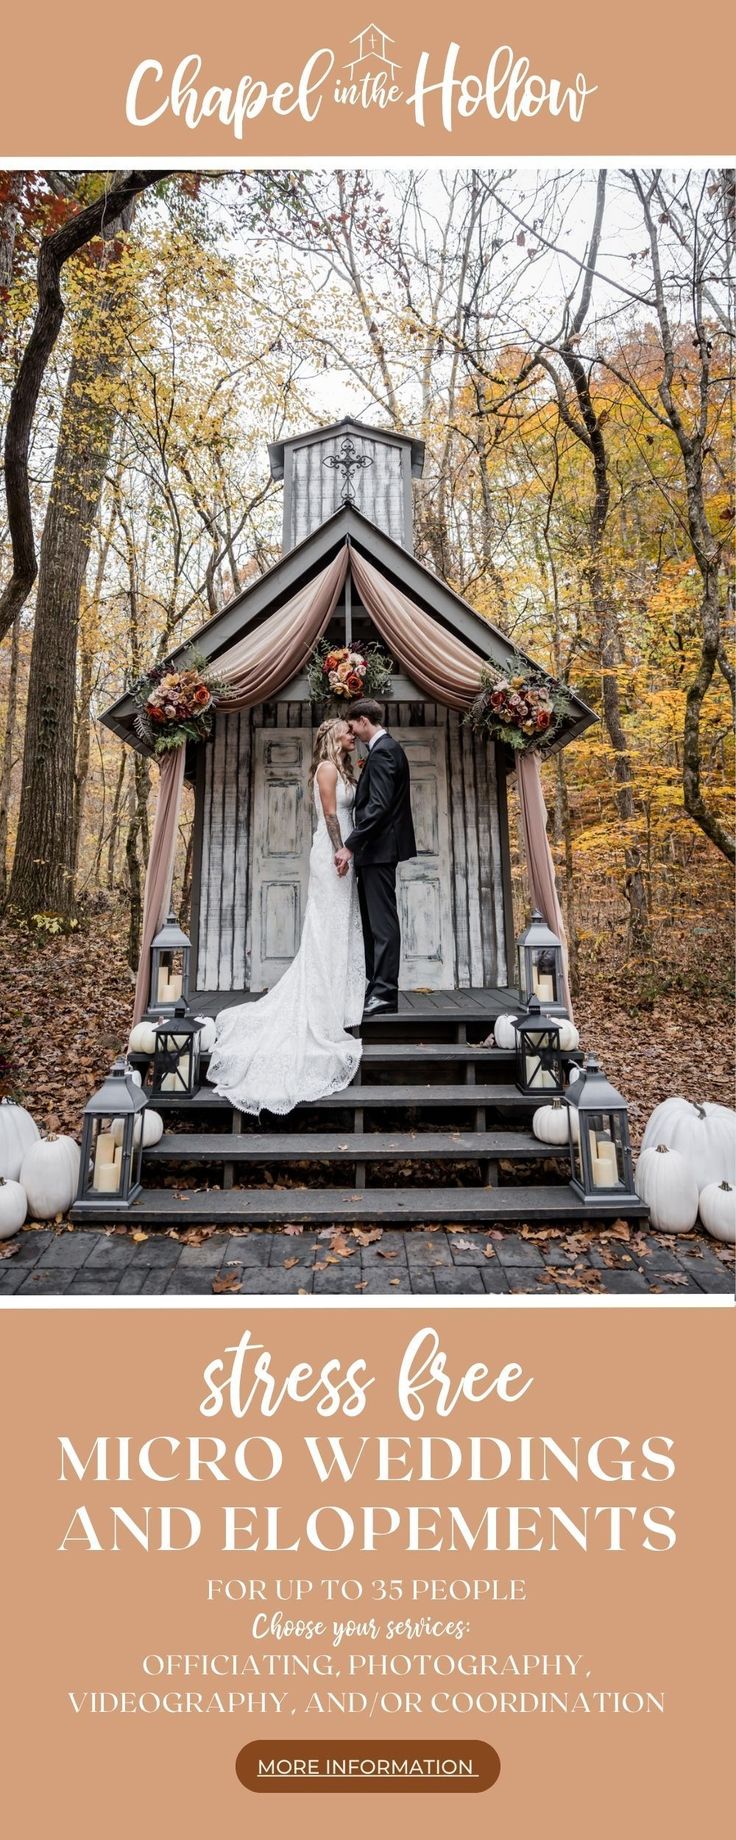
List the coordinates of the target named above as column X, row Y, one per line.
column 563, row 343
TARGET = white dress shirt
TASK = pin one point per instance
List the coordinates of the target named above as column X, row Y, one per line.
column 376, row 737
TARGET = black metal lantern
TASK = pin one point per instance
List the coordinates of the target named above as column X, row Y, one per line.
column 112, row 1142
column 174, row 1069
column 170, row 955
column 538, row 1057
column 539, row 958
column 600, row 1146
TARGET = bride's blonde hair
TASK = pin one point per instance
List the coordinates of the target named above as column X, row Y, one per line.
column 327, row 747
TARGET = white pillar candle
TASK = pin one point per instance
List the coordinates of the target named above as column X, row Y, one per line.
column 545, row 989
column 107, row 1176
column 174, row 987
column 104, row 1153
column 535, row 981
column 608, row 1162
column 163, row 985
column 169, row 1083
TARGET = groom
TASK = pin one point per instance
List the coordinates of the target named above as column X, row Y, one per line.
column 381, row 838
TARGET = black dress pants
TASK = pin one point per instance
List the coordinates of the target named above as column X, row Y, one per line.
column 381, row 932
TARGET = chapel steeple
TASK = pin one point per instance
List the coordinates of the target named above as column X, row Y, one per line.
column 347, row 462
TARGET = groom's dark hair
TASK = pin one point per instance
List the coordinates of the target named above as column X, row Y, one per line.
column 366, row 706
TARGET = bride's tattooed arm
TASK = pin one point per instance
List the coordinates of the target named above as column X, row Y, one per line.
column 327, row 782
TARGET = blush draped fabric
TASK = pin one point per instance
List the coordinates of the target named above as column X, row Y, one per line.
column 538, row 854
column 443, row 667
column 260, row 664
column 159, row 874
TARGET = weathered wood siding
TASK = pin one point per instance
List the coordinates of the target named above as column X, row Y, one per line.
column 314, row 491
column 477, row 844
column 223, row 892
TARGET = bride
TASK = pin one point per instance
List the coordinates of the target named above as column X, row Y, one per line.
column 291, row 1044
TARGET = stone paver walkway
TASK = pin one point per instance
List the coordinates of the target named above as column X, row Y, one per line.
column 86, row 1262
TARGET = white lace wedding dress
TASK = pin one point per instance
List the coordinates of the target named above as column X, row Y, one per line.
column 291, row 1045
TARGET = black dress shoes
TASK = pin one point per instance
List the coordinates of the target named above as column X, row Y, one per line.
column 381, row 1006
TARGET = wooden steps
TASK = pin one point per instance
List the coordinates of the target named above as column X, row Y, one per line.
column 351, row 1147
column 415, row 1006
column 433, row 1095
column 426, row 1072
column 163, row 1207
column 393, row 1053
column 419, row 1053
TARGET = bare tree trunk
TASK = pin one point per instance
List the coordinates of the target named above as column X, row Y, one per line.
column 636, row 893
column 587, row 427
column 692, row 437
column 43, row 870
column 6, row 770
column 117, row 801
column 99, row 218
column 81, row 764
column 564, row 836
column 9, row 211
column 186, row 882
column 89, row 647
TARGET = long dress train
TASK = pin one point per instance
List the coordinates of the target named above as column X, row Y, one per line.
column 291, row 1044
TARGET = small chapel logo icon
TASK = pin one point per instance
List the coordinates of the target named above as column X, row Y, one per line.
column 371, row 54
column 371, row 80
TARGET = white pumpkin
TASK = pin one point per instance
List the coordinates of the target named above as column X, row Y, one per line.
column 666, row 1183
column 549, row 1123
column 504, row 1033
column 142, row 1039
column 704, row 1134
column 50, row 1176
column 208, row 1035
column 17, row 1133
column 718, row 1211
column 574, row 1072
column 569, row 1037
column 134, row 1074
column 12, row 1207
column 153, row 1129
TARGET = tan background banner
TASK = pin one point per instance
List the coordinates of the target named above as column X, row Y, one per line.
column 645, row 1622
column 66, row 72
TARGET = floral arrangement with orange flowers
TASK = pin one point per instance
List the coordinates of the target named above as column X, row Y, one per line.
column 339, row 673
column 177, row 706
column 517, row 705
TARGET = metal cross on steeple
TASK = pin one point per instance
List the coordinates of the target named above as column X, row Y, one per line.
column 347, row 461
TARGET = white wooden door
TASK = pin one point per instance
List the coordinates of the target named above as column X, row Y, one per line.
column 282, row 838
column 424, row 885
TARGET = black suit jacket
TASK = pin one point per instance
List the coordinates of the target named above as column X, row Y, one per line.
column 383, row 831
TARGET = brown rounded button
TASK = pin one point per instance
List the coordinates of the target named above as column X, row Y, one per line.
column 366, row 1765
